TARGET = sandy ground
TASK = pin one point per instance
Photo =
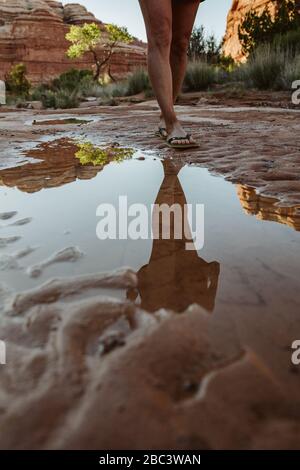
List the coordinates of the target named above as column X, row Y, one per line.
column 189, row 381
column 256, row 145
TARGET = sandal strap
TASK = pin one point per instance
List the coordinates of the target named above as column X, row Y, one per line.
column 162, row 132
column 187, row 137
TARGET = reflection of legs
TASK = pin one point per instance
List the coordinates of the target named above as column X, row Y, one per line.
column 158, row 19
column 174, row 278
column 184, row 14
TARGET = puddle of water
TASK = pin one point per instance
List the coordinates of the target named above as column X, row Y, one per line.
column 268, row 208
column 55, row 122
column 250, row 262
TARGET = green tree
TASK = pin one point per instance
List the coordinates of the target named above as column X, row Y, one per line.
column 203, row 47
column 197, row 44
column 263, row 28
column 16, row 80
column 90, row 154
column 213, row 49
column 89, row 38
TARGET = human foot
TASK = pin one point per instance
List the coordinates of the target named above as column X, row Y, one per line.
column 162, row 129
column 178, row 138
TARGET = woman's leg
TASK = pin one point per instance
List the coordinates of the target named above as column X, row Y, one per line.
column 183, row 13
column 158, row 20
column 158, row 16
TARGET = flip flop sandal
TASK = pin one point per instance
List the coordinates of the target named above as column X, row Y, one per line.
column 162, row 132
column 181, row 146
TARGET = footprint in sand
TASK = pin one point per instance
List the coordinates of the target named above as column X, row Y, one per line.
column 70, row 254
column 7, row 215
column 8, row 262
column 20, row 222
column 4, row 242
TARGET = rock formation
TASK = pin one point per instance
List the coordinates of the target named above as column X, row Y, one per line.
column 51, row 170
column 33, row 32
column 236, row 15
column 267, row 208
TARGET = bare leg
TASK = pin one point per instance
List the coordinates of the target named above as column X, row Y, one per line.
column 184, row 14
column 158, row 19
column 183, row 19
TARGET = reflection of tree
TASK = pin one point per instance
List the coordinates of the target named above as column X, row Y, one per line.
column 91, row 154
column 175, row 278
column 59, row 163
column 267, row 208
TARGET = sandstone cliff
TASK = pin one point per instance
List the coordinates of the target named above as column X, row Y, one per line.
column 33, row 32
column 232, row 46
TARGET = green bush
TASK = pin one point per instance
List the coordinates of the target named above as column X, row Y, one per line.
column 90, row 88
column 72, row 80
column 289, row 42
column 137, row 82
column 38, row 92
column 48, row 99
column 67, row 100
column 265, row 67
column 118, row 89
column 291, row 73
column 271, row 67
column 61, row 99
column 200, row 76
column 17, row 82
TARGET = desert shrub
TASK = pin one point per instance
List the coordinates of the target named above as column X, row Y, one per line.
column 16, row 80
column 290, row 74
column 48, row 99
column 289, row 42
column 138, row 81
column 200, row 76
column 222, row 75
column 60, row 99
column 118, row 89
column 271, row 67
column 265, row 67
column 72, row 80
column 38, row 92
column 90, row 88
column 240, row 74
column 67, row 100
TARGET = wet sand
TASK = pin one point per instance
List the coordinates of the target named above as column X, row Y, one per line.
column 124, row 344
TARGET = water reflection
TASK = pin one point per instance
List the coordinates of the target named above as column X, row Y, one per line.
column 61, row 162
column 266, row 208
column 61, row 122
column 175, row 278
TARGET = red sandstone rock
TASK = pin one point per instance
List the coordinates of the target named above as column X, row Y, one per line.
column 232, row 46
column 35, row 35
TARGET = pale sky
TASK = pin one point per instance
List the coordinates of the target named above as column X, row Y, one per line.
column 212, row 14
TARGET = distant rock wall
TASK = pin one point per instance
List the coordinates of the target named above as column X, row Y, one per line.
column 232, row 46
column 33, row 32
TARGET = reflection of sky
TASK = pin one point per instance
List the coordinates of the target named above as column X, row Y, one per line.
column 127, row 13
column 66, row 216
